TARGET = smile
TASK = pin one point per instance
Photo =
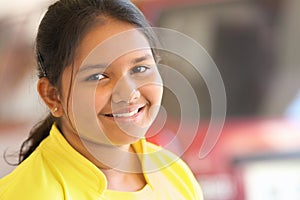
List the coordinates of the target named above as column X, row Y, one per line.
column 130, row 114
column 125, row 114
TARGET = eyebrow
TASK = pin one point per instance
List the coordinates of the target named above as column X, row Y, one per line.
column 103, row 66
column 141, row 59
column 88, row 67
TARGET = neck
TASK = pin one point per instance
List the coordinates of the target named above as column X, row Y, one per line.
column 120, row 164
column 120, row 158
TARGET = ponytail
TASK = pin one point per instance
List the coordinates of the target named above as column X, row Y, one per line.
column 37, row 134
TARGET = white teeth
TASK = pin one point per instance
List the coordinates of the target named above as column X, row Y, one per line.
column 130, row 114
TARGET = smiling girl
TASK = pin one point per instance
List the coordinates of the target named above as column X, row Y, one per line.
column 99, row 79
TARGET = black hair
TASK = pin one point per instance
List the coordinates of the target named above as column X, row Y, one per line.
column 62, row 28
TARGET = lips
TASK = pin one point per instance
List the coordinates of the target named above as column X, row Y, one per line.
column 125, row 113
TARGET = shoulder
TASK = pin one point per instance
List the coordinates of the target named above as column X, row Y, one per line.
column 170, row 161
column 30, row 180
column 174, row 168
column 49, row 173
column 165, row 156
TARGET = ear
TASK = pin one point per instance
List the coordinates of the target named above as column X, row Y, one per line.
column 50, row 96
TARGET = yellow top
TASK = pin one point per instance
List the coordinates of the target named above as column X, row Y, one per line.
column 57, row 171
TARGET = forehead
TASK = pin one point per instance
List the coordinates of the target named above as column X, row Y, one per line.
column 110, row 40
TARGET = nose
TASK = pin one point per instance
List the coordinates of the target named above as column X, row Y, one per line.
column 126, row 91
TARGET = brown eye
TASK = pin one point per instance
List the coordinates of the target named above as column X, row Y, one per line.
column 96, row 77
column 139, row 69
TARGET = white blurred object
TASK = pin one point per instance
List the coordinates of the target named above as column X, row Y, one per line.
column 279, row 180
column 293, row 110
column 20, row 7
column 23, row 104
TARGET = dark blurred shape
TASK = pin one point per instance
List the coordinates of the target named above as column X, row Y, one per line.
column 242, row 39
column 246, row 60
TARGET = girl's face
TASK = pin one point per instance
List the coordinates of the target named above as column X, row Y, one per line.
column 116, row 89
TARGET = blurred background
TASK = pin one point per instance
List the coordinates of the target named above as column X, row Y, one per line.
column 254, row 43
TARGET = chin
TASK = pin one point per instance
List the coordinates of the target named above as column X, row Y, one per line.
column 124, row 137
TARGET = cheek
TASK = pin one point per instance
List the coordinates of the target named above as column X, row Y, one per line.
column 87, row 103
column 153, row 94
column 82, row 106
column 101, row 99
